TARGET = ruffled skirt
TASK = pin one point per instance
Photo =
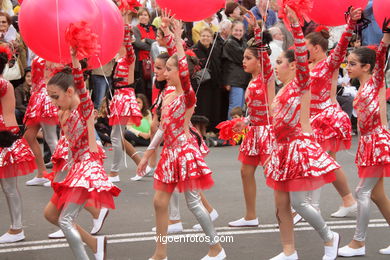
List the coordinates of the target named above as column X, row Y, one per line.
column 40, row 109
column 16, row 160
column 183, row 167
column 332, row 129
column 300, row 165
column 257, row 145
column 373, row 154
column 124, row 108
column 86, row 182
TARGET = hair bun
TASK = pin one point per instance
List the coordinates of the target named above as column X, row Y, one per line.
column 324, row 31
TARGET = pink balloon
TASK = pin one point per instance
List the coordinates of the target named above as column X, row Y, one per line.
column 110, row 31
column 381, row 10
column 192, row 10
column 41, row 32
column 331, row 12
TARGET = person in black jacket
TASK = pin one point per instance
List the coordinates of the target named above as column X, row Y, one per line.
column 234, row 77
column 209, row 92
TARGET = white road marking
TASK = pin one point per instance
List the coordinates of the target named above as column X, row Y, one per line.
column 148, row 236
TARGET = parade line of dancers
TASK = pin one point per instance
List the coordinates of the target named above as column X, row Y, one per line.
column 294, row 135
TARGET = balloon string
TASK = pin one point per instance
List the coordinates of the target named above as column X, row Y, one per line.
column 116, row 112
column 207, row 62
column 58, row 31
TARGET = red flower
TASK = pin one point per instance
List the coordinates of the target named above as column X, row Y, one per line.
column 130, row 5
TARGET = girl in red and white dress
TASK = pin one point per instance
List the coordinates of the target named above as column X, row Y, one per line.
column 331, row 125
column 61, row 160
column 373, row 153
column 123, row 107
column 40, row 113
column 257, row 144
column 86, row 183
column 181, row 166
column 16, row 158
column 297, row 164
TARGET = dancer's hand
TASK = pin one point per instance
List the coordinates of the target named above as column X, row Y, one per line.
column 239, row 126
column 166, row 20
column 141, row 169
column 177, row 29
column 251, row 20
column 291, row 15
column 356, row 13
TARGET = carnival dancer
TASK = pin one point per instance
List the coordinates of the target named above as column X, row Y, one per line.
column 123, row 107
column 162, row 89
column 331, row 125
column 16, row 158
column 41, row 113
column 297, row 163
column 373, row 154
column 61, row 160
column 257, row 144
column 86, row 183
column 181, row 166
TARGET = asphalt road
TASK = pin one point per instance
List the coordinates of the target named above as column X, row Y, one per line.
column 129, row 226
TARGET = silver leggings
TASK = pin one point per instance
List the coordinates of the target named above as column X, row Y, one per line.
column 302, row 205
column 363, row 197
column 66, row 223
column 116, row 141
column 50, row 135
column 195, row 205
column 14, row 201
column 314, row 196
column 174, row 210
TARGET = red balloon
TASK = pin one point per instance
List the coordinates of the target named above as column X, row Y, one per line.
column 110, row 31
column 192, row 10
column 44, row 31
column 381, row 10
column 46, row 38
column 331, row 12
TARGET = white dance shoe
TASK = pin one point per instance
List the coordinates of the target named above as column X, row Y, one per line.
column 282, row 256
column 220, row 256
column 114, row 179
column 347, row 251
column 385, row 251
column 242, row 222
column 56, row 235
column 98, row 223
column 37, row 181
column 136, row 178
column 11, row 238
column 213, row 215
column 101, row 248
column 166, row 258
column 173, row 228
column 345, row 211
column 331, row 251
column 149, row 171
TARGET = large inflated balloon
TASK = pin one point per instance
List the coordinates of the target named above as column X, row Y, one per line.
column 331, row 12
column 192, row 10
column 44, row 32
column 381, row 10
column 110, row 32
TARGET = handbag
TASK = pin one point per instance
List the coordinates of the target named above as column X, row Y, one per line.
column 205, row 72
column 13, row 72
column 147, row 69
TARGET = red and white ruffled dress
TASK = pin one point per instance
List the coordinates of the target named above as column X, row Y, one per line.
column 86, row 181
column 257, row 145
column 331, row 125
column 181, row 165
column 18, row 159
column 373, row 153
column 40, row 108
column 297, row 163
column 123, row 106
